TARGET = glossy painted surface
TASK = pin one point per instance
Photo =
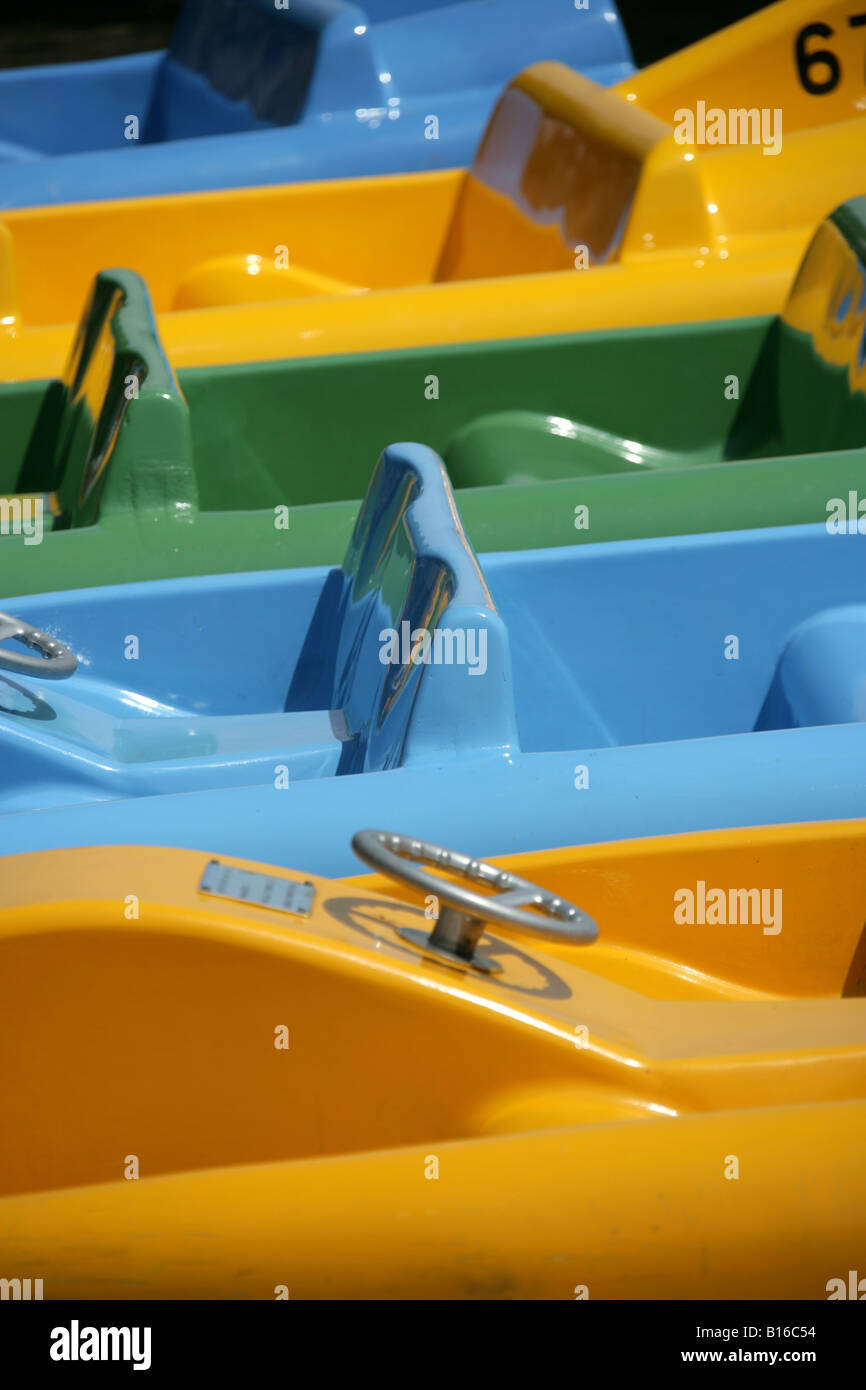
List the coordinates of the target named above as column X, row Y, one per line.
column 625, row 1072
column 771, row 57
column 666, row 235
column 250, row 92
column 112, row 436
column 718, row 677
column 636, row 427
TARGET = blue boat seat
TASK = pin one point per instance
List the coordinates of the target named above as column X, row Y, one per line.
column 409, row 571
column 821, row 674
column 90, row 753
column 240, row 65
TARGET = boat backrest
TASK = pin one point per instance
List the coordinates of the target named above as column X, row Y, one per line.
column 406, row 642
column 820, row 677
column 239, row 65
column 807, row 393
column 556, row 180
column 113, row 433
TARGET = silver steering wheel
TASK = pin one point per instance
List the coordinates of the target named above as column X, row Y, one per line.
column 463, row 918
column 54, row 662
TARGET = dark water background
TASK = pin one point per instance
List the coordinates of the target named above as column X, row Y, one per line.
column 70, row 32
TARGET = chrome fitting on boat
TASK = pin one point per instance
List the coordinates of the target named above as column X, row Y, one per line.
column 462, row 919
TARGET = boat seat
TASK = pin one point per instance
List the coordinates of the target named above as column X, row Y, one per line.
column 563, row 164
column 120, row 756
column 522, row 446
column 408, row 571
column 245, row 279
column 241, row 65
column 807, row 393
column 821, row 675
column 113, row 434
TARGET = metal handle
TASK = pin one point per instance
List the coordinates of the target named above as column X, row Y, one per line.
column 462, row 921
column 55, row 662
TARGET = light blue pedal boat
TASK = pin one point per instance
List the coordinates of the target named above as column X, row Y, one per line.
column 537, row 698
column 259, row 92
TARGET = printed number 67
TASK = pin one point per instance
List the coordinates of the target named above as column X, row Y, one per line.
column 819, row 87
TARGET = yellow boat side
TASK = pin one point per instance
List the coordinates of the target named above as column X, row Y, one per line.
column 581, row 211
column 258, row 1103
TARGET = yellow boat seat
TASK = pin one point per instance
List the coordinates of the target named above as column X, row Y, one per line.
column 242, row 279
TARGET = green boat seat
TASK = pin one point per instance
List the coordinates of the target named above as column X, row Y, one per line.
column 113, row 434
column 807, row 394
column 520, row 446
column 804, row 394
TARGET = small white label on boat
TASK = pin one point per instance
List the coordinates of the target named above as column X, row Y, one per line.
column 259, row 890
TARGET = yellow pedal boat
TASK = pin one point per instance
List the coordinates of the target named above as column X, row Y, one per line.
column 222, row 1080
column 584, row 209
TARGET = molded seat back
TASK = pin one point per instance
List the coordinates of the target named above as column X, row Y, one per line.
column 821, row 674
column 558, row 169
column 406, row 640
column 240, row 65
column 116, row 427
column 808, row 391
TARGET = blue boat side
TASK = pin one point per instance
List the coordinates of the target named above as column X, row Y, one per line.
column 320, row 89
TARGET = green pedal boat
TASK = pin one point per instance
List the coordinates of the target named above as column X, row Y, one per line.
column 119, row 472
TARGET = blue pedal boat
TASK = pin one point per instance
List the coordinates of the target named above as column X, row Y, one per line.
column 261, row 92
column 533, row 699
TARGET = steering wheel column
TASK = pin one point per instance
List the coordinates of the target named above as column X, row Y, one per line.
column 465, row 913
